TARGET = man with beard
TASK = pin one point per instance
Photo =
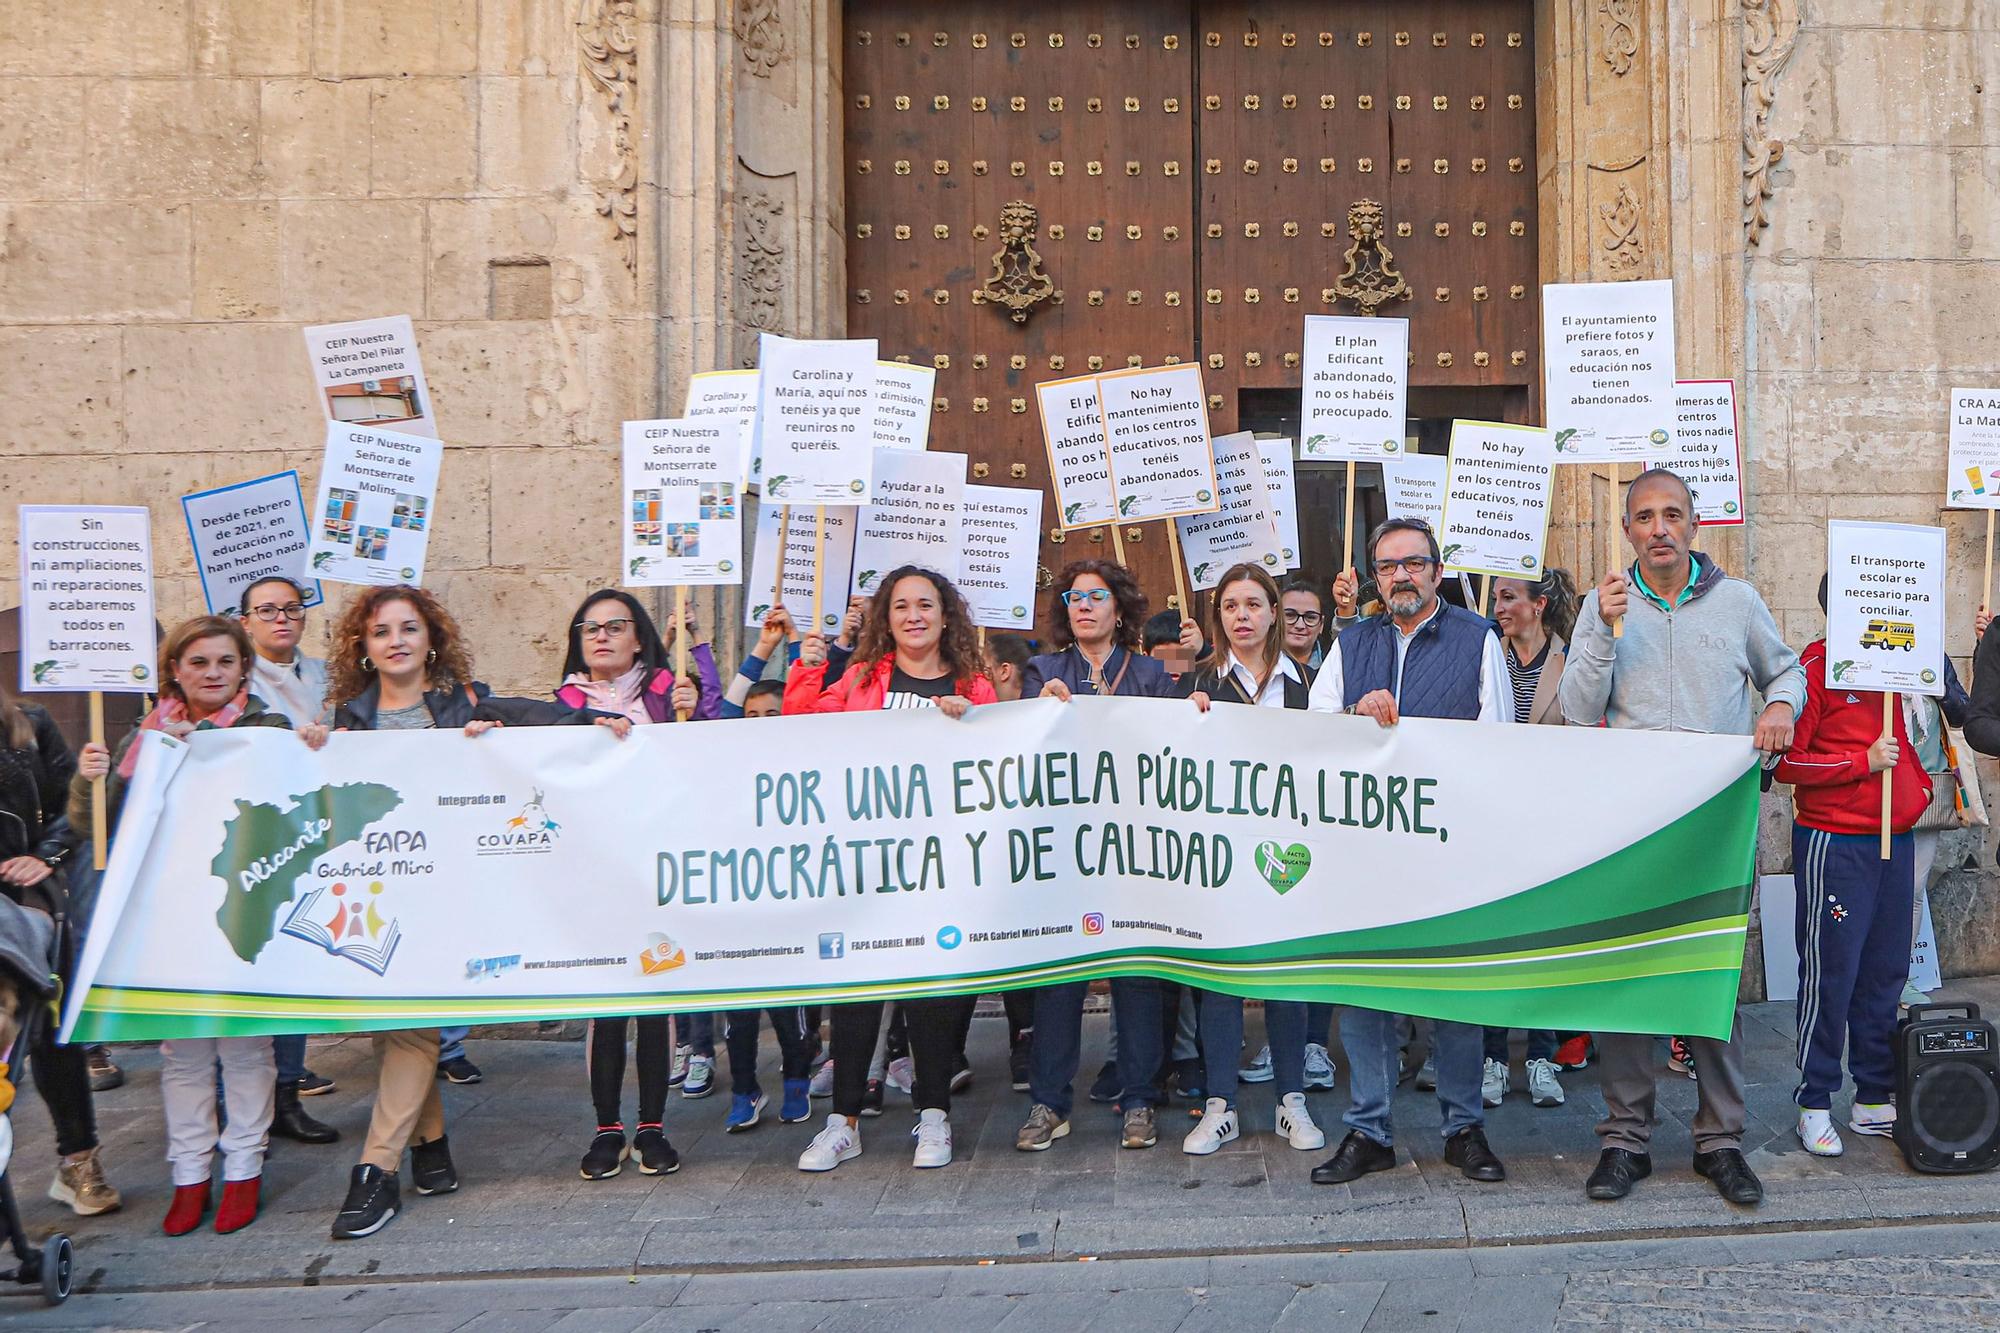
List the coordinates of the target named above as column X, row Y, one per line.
column 1696, row 643
column 1419, row 658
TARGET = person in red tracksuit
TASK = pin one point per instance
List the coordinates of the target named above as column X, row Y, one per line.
column 1853, row 914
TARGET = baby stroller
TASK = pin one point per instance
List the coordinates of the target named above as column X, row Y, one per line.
column 28, row 989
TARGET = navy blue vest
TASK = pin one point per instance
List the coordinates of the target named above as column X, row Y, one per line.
column 1440, row 672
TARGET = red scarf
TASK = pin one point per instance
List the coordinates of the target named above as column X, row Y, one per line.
column 173, row 710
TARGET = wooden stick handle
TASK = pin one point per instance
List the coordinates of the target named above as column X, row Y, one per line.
column 819, row 562
column 680, row 641
column 1180, row 575
column 1486, row 595
column 1611, row 548
column 1347, row 524
column 784, row 550
column 99, row 833
column 1888, row 732
column 1117, row 542
column 1986, row 588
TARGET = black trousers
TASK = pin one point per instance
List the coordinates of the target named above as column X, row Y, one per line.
column 62, row 1073
column 1020, row 1016
column 605, row 1054
column 933, row 1023
column 740, row 1037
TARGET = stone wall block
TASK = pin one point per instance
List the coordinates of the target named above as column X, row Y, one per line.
column 517, row 625
column 501, row 382
column 173, row 404
column 394, row 38
column 42, row 144
column 1847, row 218
column 467, row 235
column 526, row 135
column 557, row 509
column 1782, row 315
column 524, row 36
column 315, row 139
column 1976, row 204
column 122, row 37
column 1868, row 439
column 236, row 260
column 1906, row 86
column 172, row 138
column 463, row 537
column 623, row 356
column 349, row 259
column 237, row 37
column 422, row 134
column 69, row 263
column 79, row 393
column 1888, row 316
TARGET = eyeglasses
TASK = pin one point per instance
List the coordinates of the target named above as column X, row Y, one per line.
column 1303, row 617
column 1076, row 595
column 609, row 628
column 1409, row 564
column 290, row 611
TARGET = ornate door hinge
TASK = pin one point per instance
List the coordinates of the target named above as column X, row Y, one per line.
column 1017, row 281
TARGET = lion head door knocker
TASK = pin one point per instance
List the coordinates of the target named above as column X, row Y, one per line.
column 1370, row 279
column 1017, row 281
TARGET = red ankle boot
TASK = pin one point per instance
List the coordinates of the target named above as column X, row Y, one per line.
column 190, row 1205
column 239, row 1205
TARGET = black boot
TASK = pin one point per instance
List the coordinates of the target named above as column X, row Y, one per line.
column 289, row 1120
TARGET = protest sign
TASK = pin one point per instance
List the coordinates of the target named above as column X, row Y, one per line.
column 87, row 599
column 246, row 532
column 1705, row 453
column 1972, row 469
column 996, row 565
column 681, row 505
column 1355, row 399
column 1608, row 353
column 1415, row 488
column 731, row 394
column 1073, row 433
column 263, row 887
column 1241, row 530
column 903, row 405
column 815, row 419
column 1885, row 607
column 914, row 519
column 1496, row 499
column 835, row 564
column 372, row 520
column 369, row 374
column 1281, row 494
column 1156, row 442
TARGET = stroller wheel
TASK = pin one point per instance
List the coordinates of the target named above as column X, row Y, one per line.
column 58, row 1262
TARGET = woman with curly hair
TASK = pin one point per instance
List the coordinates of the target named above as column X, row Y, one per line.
column 917, row 649
column 400, row 664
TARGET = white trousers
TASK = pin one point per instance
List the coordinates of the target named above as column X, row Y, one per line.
column 187, row 1092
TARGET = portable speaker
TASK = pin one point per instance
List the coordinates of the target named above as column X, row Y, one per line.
column 1947, row 1089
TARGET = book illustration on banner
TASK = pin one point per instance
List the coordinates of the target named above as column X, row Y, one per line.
column 350, row 927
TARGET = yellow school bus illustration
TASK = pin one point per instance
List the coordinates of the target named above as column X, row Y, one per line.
column 1890, row 634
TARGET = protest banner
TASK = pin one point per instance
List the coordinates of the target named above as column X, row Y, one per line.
column 1414, row 486
column 996, row 566
column 1354, row 403
column 1972, row 464
column 731, row 394
column 1705, row 451
column 369, row 374
column 1282, row 495
column 815, row 419
column 372, row 520
column 1079, row 472
column 1608, row 355
column 915, row 518
column 86, row 614
column 681, row 504
column 831, row 556
column 408, row 879
column 1241, row 530
column 902, row 405
column 249, row 531
column 1496, row 500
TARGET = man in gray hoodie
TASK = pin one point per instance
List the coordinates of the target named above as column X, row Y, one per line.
column 1696, row 643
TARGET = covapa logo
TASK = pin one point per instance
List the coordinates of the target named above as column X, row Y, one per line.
column 661, row 954
column 532, row 832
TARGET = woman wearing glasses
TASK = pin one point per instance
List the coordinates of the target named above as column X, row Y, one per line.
column 1304, row 611
column 1100, row 618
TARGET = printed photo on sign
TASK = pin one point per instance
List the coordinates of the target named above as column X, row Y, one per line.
column 1281, row 490
column 680, row 495
column 915, row 518
column 1002, row 527
column 1242, row 530
column 369, row 374
column 1496, row 499
column 1073, row 432
column 1885, row 607
column 1414, row 485
column 837, row 573
column 376, row 493
column 815, row 419
column 246, row 532
column 1972, row 468
column 1355, row 400
column 87, row 599
column 1608, row 353
column 1156, row 442
column 1705, row 453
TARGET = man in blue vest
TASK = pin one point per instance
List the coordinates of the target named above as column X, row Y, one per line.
column 1419, row 658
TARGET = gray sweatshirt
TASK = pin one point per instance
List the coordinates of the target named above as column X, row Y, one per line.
column 1688, row 669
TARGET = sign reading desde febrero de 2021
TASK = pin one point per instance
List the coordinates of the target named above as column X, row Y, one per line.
column 369, row 374
column 372, row 520
column 1073, row 431
column 1356, row 394
column 914, row 518
column 1608, row 352
column 731, row 394
column 682, row 507
column 816, row 419
column 1496, row 499
column 1242, row 530
column 1156, row 442
column 87, row 599
column 1282, row 484
column 1972, row 478
column 1705, row 453
column 836, row 572
column 1002, row 528
column 1414, row 485
column 252, row 530
column 1885, row 607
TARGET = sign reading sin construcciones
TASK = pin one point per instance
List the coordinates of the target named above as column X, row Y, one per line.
column 87, row 599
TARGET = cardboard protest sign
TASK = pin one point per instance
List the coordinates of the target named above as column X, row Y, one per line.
column 1608, row 353
column 1002, row 534
column 1241, row 529
column 1496, row 499
column 1705, row 453
column 371, row 521
column 914, row 519
column 838, row 570
column 1156, row 442
column 246, row 532
column 87, row 599
column 1073, row 432
column 1414, row 485
column 1885, row 607
column 1281, row 494
column 1357, row 374
column 815, row 419
column 681, row 504
column 1972, row 469
column 730, row 394
column 369, row 374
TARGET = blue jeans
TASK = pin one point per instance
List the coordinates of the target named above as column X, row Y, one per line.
column 1222, row 1041
column 1057, row 1043
column 697, row 1031
column 291, row 1056
column 1541, row 1044
column 1375, row 1059
column 451, row 1044
column 1319, row 1024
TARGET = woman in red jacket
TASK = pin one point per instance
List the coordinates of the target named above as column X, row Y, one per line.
column 917, row 649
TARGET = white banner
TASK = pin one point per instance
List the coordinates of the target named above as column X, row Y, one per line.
column 246, row 532
column 996, row 568
column 1972, row 469
column 1414, row 485
column 1242, row 529
column 799, row 544
column 372, row 520
column 1885, row 607
column 1496, row 499
column 1156, row 441
column 815, row 419
column 731, row 394
column 1073, row 434
column 1354, row 403
column 1705, row 452
column 916, row 517
column 369, row 374
column 680, row 508
column 87, row 599
column 1608, row 354
column 1281, row 485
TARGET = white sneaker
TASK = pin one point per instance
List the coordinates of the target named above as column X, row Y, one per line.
column 822, row 1082
column 933, row 1138
column 1877, row 1118
column 1258, row 1070
column 678, row 1072
column 1295, row 1123
column 901, row 1074
column 1319, row 1066
column 700, row 1080
column 838, row 1142
column 1816, row 1131
column 1493, row 1086
column 1217, row 1127
column 1543, row 1085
